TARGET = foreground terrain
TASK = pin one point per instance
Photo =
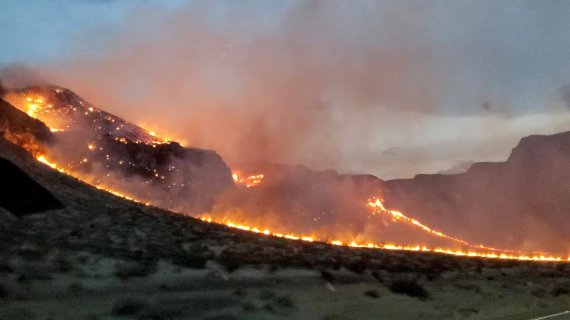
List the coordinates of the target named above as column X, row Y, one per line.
column 103, row 257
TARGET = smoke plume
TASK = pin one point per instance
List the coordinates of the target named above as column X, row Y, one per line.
column 313, row 82
column 391, row 88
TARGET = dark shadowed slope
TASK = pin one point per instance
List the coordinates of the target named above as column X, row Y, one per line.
column 21, row 195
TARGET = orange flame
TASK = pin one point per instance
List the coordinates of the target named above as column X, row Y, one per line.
column 35, row 104
column 42, row 159
column 249, row 181
column 376, row 204
column 388, row 246
column 378, row 208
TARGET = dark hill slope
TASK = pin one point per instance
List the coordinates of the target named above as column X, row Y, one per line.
column 21, row 195
column 523, row 202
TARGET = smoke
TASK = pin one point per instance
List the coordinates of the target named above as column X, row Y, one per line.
column 313, row 82
column 565, row 93
column 286, row 93
column 394, row 88
column 19, row 75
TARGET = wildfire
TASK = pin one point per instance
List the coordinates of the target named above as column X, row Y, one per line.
column 378, row 208
column 388, row 246
column 247, row 181
column 156, row 137
column 35, row 106
column 42, row 159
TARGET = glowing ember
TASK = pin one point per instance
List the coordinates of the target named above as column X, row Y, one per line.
column 248, row 181
column 43, row 159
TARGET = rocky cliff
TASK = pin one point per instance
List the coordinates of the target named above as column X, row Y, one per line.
column 522, row 202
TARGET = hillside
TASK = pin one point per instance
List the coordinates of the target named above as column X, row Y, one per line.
column 516, row 205
column 520, row 203
column 118, row 259
column 113, row 154
column 109, row 151
column 169, row 266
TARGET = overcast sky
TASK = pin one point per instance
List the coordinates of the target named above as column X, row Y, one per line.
column 391, row 88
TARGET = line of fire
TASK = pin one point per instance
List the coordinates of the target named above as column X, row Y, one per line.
column 143, row 166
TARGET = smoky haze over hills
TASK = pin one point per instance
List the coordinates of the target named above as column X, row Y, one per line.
column 519, row 204
column 391, row 88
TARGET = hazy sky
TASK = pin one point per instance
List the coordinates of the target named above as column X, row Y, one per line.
column 391, row 88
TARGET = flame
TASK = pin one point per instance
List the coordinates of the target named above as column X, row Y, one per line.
column 388, row 246
column 378, row 208
column 35, row 105
column 247, row 181
column 42, row 159
column 158, row 138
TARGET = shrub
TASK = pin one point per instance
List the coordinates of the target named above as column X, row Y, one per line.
column 129, row 269
column 249, row 307
column 376, row 275
column 559, row 291
column 230, row 261
column 284, row 302
column 191, row 261
column 408, row 287
column 327, row 276
column 372, row 293
column 33, row 272
column 266, row 295
column 128, row 306
column 3, row 292
column 358, row 266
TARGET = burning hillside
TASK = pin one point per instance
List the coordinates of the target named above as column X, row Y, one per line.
column 290, row 202
column 113, row 154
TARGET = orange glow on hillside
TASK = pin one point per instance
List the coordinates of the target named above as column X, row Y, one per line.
column 377, row 207
column 247, row 181
column 375, row 204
